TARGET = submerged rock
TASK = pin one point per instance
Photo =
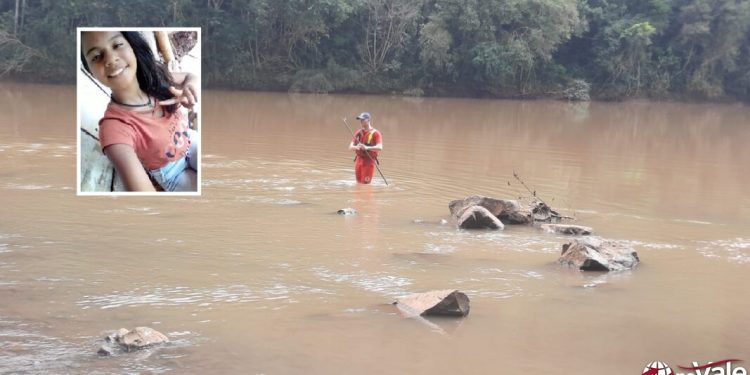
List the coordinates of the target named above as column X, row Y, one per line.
column 347, row 211
column 448, row 302
column 540, row 211
column 574, row 230
column 138, row 338
column 142, row 337
column 594, row 254
column 105, row 351
column 478, row 217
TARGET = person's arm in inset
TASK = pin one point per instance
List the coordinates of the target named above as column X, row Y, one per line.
column 129, row 167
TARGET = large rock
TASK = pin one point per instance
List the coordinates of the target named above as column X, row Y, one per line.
column 138, row 338
column 595, row 254
column 508, row 211
column 478, row 217
column 574, row 230
column 448, row 302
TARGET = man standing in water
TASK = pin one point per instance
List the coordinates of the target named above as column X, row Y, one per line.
column 366, row 144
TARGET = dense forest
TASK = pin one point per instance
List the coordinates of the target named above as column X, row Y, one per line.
column 608, row 49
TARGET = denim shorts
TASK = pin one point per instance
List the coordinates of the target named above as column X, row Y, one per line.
column 181, row 174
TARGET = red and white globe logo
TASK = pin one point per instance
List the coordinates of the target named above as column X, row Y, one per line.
column 657, row 368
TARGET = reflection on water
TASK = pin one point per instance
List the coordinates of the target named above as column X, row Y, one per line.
column 259, row 275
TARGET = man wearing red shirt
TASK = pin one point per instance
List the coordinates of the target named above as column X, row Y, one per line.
column 367, row 142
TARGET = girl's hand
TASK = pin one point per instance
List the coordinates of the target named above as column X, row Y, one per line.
column 186, row 96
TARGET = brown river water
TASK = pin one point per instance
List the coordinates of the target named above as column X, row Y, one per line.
column 260, row 276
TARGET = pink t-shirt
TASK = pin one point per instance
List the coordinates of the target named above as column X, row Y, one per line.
column 156, row 141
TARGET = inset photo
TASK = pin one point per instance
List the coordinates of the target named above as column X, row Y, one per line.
column 139, row 98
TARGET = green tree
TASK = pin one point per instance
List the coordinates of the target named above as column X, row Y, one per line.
column 709, row 34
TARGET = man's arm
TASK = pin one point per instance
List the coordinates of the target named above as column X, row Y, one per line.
column 355, row 145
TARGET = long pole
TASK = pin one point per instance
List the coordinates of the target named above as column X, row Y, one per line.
column 367, row 153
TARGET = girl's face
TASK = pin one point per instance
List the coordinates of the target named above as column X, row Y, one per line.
column 110, row 59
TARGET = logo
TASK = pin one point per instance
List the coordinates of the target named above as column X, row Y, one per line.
column 723, row 367
column 715, row 368
column 657, row 368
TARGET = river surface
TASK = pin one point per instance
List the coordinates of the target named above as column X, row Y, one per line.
column 260, row 276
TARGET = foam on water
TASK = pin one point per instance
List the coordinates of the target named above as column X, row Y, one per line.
column 733, row 249
column 14, row 186
column 699, row 222
column 6, row 247
column 491, row 240
column 203, row 297
column 24, row 350
column 652, row 245
column 498, row 283
column 381, row 283
column 432, row 248
column 268, row 200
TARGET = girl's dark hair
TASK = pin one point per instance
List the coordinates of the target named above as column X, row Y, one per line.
column 153, row 77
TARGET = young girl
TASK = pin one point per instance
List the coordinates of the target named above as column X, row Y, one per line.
column 142, row 127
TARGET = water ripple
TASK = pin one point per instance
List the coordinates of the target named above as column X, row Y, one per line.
column 498, row 283
column 175, row 296
column 382, row 283
column 24, row 351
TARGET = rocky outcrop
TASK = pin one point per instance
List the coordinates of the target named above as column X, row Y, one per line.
column 448, row 302
column 138, row 338
column 595, row 254
column 508, row 211
column 573, row 230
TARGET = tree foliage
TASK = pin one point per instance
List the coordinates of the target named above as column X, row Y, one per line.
column 499, row 48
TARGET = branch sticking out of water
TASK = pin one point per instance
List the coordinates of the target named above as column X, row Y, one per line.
column 533, row 193
column 541, row 211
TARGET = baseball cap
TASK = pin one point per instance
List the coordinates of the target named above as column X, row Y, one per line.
column 364, row 116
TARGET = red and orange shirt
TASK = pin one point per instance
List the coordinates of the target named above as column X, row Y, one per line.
column 369, row 138
column 156, row 141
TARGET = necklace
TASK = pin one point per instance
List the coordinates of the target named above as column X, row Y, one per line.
column 147, row 104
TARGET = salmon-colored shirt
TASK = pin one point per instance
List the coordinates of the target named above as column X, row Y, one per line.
column 156, row 141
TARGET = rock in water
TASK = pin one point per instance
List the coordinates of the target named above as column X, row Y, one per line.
column 448, row 302
column 574, row 230
column 594, row 254
column 347, row 211
column 104, row 351
column 508, row 211
column 139, row 338
column 478, row 217
column 541, row 212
